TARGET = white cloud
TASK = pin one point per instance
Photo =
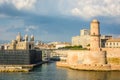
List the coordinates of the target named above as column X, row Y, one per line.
column 93, row 8
column 82, row 8
column 20, row 4
column 30, row 28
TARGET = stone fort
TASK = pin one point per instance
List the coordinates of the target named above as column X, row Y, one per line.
column 96, row 58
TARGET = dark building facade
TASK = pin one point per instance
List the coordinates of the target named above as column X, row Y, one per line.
column 20, row 57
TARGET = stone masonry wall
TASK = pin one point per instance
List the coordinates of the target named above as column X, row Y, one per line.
column 113, row 55
column 110, row 56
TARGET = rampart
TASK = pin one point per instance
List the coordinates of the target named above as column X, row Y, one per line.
column 113, row 55
column 91, row 60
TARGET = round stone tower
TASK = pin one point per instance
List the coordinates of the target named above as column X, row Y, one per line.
column 95, row 35
column 96, row 55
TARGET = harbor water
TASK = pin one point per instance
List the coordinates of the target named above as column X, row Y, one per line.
column 49, row 71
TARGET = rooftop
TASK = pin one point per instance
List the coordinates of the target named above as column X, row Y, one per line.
column 114, row 40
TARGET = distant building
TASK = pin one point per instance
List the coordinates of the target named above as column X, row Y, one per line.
column 42, row 45
column 84, row 32
column 22, row 44
column 104, row 38
column 106, row 41
column 60, row 45
column 83, row 39
column 113, row 43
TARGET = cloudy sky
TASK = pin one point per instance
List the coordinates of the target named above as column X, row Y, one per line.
column 57, row 20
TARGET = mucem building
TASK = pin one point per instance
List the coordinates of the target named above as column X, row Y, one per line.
column 20, row 57
column 20, row 52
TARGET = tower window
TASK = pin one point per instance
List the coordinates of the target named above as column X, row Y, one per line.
column 110, row 43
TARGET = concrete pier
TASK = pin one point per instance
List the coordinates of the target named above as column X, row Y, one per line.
column 19, row 68
column 15, row 68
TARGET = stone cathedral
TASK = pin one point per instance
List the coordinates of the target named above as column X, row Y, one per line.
column 22, row 44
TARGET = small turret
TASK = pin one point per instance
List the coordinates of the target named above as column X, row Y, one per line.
column 32, row 38
column 26, row 37
column 13, row 42
column 19, row 38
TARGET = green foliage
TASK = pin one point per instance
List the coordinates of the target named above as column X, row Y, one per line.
column 74, row 47
column 88, row 45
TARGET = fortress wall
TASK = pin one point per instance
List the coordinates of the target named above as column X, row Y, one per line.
column 88, row 60
column 86, row 57
column 112, row 52
column 76, row 56
column 83, row 56
column 113, row 55
column 95, row 57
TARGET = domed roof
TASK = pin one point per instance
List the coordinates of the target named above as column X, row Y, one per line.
column 95, row 20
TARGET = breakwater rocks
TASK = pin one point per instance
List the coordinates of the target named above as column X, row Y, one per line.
column 94, row 67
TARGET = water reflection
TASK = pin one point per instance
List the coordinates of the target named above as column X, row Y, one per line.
column 51, row 72
column 92, row 75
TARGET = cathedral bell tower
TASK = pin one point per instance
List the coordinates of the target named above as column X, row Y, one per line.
column 18, row 38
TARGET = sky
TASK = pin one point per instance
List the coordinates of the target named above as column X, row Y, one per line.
column 57, row 20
